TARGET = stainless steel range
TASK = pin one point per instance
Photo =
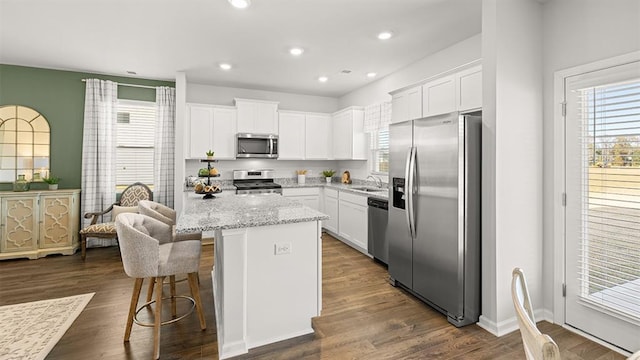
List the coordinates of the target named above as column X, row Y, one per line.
column 255, row 182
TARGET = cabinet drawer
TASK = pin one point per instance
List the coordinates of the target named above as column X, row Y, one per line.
column 300, row 191
column 332, row 193
column 353, row 198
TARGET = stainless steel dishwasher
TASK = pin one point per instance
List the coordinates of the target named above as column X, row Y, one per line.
column 377, row 241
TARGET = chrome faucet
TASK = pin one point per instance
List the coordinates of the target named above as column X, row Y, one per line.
column 376, row 180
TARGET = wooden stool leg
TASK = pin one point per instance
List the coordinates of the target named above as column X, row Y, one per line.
column 195, row 294
column 172, row 285
column 132, row 308
column 158, row 318
column 152, row 282
column 83, row 246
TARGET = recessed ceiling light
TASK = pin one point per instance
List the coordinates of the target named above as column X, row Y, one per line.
column 296, row 51
column 225, row 66
column 240, row 4
column 371, row 75
column 323, row 78
column 385, row 35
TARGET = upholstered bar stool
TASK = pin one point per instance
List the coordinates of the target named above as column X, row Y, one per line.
column 148, row 251
column 168, row 216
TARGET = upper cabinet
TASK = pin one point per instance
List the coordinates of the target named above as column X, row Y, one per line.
column 318, row 144
column 349, row 139
column 257, row 116
column 457, row 91
column 304, row 136
column 469, row 93
column 439, row 96
column 211, row 127
column 407, row 105
column 291, row 138
column 461, row 91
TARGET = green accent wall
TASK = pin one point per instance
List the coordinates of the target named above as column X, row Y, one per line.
column 59, row 97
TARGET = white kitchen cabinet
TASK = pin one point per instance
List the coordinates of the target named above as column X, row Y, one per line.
column 318, row 137
column 200, row 130
column 257, row 116
column 349, row 138
column 406, row 105
column 439, row 96
column 352, row 219
column 291, row 139
column 309, row 196
column 469, row 89
column 331, row 209
column 211, row 127
column 224, row 133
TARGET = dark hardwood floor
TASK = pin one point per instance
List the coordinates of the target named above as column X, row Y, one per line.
column 363, row 316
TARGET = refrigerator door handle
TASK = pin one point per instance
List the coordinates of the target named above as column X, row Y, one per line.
column 409, row 190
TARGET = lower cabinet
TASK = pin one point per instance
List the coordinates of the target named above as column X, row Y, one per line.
column 308, row 196
column 38, row 223
column 352, row 219
column 331, row 209
column 348, row 217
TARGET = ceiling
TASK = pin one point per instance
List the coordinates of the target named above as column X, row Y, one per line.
column 157, row 38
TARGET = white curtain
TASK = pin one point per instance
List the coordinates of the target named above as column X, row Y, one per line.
column 164, row 146
column 377, row 117
column 99, row 151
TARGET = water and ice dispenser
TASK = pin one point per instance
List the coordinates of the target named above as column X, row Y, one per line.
column 398, row 193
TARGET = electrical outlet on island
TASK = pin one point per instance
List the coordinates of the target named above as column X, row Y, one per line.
column 283, row 248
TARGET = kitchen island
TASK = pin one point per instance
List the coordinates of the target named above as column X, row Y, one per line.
column 267, row 273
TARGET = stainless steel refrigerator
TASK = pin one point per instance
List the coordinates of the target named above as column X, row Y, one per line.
column 434, row 212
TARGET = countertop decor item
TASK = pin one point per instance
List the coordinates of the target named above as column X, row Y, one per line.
column 328, row 174
column 301, row 176
column 52, row 181
column 21, row 184
column 346, row 177
column 209, row 155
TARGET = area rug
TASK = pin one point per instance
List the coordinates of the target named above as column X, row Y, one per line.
column 30, row 330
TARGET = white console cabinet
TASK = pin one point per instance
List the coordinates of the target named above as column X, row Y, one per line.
column 38, row 223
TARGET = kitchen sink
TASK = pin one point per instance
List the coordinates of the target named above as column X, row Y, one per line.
column 367, row 189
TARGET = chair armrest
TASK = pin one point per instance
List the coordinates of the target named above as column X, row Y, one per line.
column 94, row 215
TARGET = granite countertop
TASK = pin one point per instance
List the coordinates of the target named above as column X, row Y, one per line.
column 242, row 211
column 336, row 184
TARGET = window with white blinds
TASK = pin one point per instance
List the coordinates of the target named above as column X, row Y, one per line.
column 609, row 253
column 380, row 150
column 135, row 139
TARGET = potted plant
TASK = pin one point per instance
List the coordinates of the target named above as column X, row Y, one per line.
column 210, row 155
column 328, row 174
column 52, row 181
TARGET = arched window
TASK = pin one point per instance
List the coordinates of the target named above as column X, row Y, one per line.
column 24, row 143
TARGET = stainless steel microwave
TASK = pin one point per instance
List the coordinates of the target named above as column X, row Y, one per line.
column 257, row 146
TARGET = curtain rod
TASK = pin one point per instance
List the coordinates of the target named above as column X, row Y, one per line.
column 131, row 85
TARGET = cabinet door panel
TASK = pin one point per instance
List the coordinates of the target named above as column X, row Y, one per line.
column 19, row 224
column 414, row 103
column 291, row 145
column 224, row 133
column 342, row 137
column 470, row 89
column 200, row 120
column 267, row 119
column 353, row 223
column 331, row 209
column 318, row 137
column 56, row 221
column 399, row 108
column 439, row 96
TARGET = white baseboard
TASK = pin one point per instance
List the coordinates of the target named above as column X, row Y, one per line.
column 511, row 324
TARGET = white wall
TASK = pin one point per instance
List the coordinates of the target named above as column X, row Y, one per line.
column 218, row 95
column 576, row 32
column 512, row 50
column 456, row 55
